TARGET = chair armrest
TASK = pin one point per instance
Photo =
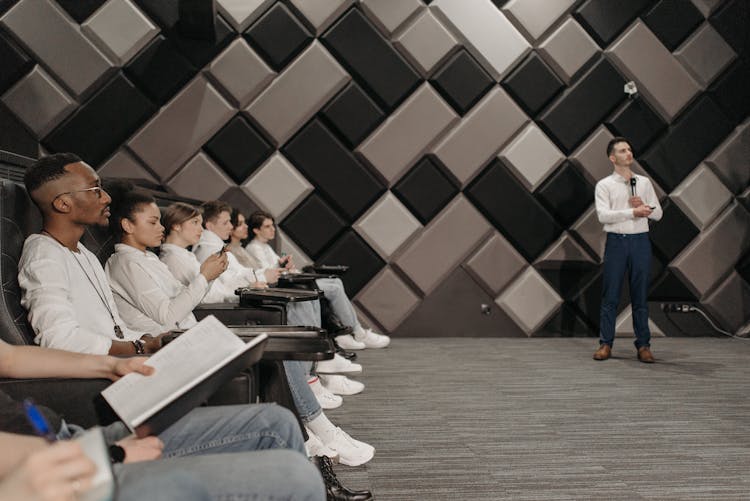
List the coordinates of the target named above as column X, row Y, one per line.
column 251, row 297
column 74, row 399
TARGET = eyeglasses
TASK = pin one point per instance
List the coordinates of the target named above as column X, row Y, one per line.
column 96, row 189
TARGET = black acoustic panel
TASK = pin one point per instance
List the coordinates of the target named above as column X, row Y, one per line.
column 312, row 225
column 743, row 267
column 567, row 277
column 693, row 136
column 495, row 191
column 80, row 10
column 238, row 148
column 499, row 3
column 159, row 70
column 5, row 5
column 638, row 122
column 566, row 194
column 373, row 62
column 572, row 117
column 350, row 250
column 352, row 114
column 731, row 21
column 425, row 190
column 670, row 288
column 462, row 81
column 14, row 62
column 673, row 232
column 14, row 137
column 566, row 323
column 278, row 36
column 197, row 51
column 103, row 123
column 730, row 90
column 672, row 21
column 605, row 19
column 533, row 84
column 345, row 182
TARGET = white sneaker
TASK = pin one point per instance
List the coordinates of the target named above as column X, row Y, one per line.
column 341, row 385
column 351, row 452
column 325, row 398
column 338, row 365
column 372, row 339
column 315, row 447
column 348, row 342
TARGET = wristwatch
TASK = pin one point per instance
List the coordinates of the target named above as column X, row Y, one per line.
column 140, row 347
column 116, row 454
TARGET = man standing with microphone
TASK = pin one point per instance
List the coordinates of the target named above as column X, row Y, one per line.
column 624, row 203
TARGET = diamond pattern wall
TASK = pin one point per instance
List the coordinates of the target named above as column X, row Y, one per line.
column 446, row 150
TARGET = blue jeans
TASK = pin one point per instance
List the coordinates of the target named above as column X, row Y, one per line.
column 297, row 374
column 623, row 254
column 340, row 304
column 303, row 313
column 238, row 452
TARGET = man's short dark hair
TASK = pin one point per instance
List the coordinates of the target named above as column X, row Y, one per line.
column 257, row 218
column 614, row 141
column 47, row 169
column 213, row 208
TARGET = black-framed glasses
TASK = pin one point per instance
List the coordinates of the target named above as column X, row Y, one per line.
column 96, row 189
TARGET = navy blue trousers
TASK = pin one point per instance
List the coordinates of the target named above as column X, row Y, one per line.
column 626, row 255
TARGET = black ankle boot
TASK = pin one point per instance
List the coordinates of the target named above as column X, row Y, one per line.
column 334, row 490
column 349, row 355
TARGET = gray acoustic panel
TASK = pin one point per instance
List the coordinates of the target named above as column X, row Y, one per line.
column 531, row 156
column 425, row 42
column 486, row 32
column 58, row 43
column 705, row 54
column 241, row 72
column 495, row 264
column 389, row 15
column 124, row 165
column 568, row 49
column 432, row 256
column 660, row 77
column 472, row 312
column 181, row 127
column 589, row 230
column 535, row 17
column 387, row 225
column 480, row 135
column 731, row 160
column 701, row 196
column 277, row 186
column 321, row 13
column 388, row 299
column 298, row 93
column 120, row 30
column 713, row 253
column 529, row 301
column 287, row 246
column 402, row 139
column 51, row 103
column 242, row 13
column 201, row 179
column 624, row 325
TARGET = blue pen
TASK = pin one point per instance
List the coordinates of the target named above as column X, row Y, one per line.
column 38, row 422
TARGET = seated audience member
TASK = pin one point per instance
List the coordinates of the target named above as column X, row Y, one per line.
column 240, row 452
column 182, row 225
column 240, row 233
column 62, row 187
column 217, row 228
column 264, row 230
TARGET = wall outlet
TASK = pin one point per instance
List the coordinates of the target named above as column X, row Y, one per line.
column 676, row 307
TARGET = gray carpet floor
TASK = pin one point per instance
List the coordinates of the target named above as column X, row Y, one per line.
column 538, row 419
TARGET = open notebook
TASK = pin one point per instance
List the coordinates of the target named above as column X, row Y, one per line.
column 188, row 371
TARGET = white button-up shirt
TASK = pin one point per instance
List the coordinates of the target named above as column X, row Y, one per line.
column 614, row 211
column 59, row 290
column 148, row 296
column 263, row 253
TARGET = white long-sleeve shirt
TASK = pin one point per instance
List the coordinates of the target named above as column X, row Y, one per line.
column 264, row 253
column 59, row 290
column 148, row 296
column 613, row 210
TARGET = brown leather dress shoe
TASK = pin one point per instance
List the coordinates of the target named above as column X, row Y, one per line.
column 645, row 355
column 603, row 353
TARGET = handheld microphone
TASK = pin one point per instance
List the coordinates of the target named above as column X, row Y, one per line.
column 632, row 185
